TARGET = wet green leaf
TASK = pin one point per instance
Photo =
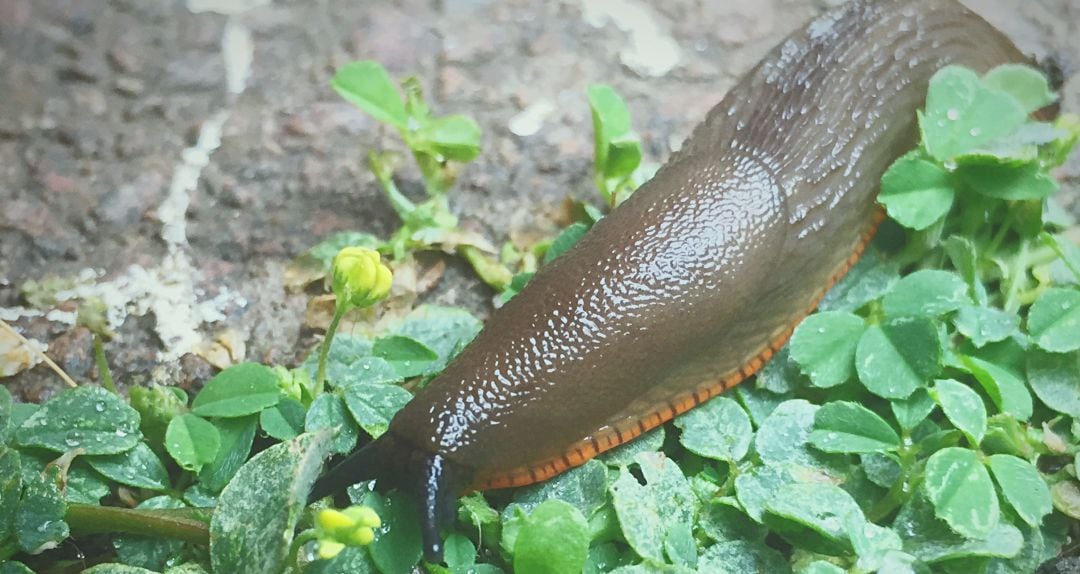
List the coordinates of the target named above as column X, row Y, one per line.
column 85, row 417
column 285, row 420
column 566, row 239
column 367, row 85
column 328, row 411
column 1023, row 487
column 150, row 552
column 741, row 557
column 239, row 390
column 932, row 540
column 455, row 137
column 397, row 547
column 112, row 568
column 915, row 192
column 718, row 429
column 192, row 441
column 962, row 115
column 963, row 407
column 913, row 410
column 897, row 357
column 584, row 488
column 138, row 467
column 724, row 519
column 812, row 516
column 39, row 519
column 1054, row 320
column 647, row 512
column 10, row 489
column 269, row 491
column 960, row 489
column 444, row 330
column 843, row 426
column 928, row 292
column 237, row 436
column 824, row 346
column 872, row 277
column 372, row 406
column 5, row 415
column 1028, row 85
column 1002, row 385
column 407, row 356
column 554, row 539
column 1053, row 377
column 985, row 324
column 1008, row 182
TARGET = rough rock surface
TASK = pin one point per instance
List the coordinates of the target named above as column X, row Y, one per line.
column 110, row 173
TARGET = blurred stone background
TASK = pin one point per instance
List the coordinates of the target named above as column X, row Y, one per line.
column 172, row 157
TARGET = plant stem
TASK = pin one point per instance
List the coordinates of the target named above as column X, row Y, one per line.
column 181, row 524
column 382, row 167
column 324, row 351
column 103, row 365
column 298, row 543
column 1017, row 272
column 900, row 490
column 1006, row 225
column 487, row 268
column 7, row 550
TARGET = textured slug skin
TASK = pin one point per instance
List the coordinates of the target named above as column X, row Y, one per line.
column 689, row 286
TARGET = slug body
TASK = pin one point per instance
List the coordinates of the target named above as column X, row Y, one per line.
column 696, row 280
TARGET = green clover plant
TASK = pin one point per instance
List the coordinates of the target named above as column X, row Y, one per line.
column 925, row 419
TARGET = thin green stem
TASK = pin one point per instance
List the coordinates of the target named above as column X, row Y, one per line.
column 900, row 490
column 401, row 204
column 1017, row 273
column 436, row 182
column 384, row 172
column 1006, row 225
column 298, row 543
column 489, row 269
column 7, row 550
column 187, row 524
column 103, row 365
column 324, row 351
column 729, row 485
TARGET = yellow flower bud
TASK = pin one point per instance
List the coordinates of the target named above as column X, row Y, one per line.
column 329, row 549
column 361, row 536
column 364, row 516
column 359, row 278
column 332, row 521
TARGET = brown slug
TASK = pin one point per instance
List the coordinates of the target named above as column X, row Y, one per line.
column 693, row 283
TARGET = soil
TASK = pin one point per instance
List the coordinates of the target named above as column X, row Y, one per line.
column 112, row 182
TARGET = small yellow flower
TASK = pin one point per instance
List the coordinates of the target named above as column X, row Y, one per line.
column 364, row 516
column 329, row 548
column 361, row 536
column 359, row 277
column 337, row 529
column 333, row 521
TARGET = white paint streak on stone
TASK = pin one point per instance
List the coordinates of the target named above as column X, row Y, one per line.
column 170, row 291
column 173, row 211
column 652, row 50
column 225, row 7
column 529, row 121
column 12, row 314
column 239, row 51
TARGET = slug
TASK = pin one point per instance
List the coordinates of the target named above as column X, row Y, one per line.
column 694, row 282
